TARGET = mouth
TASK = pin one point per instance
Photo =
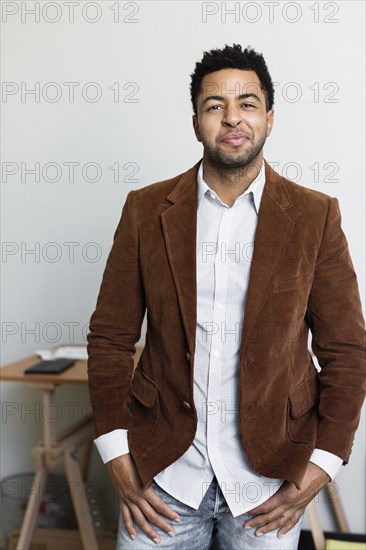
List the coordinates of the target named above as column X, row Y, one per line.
column 234, row 139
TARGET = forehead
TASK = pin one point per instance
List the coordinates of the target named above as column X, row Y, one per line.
column 230, row 81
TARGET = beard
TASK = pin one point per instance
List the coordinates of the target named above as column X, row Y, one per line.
column 226, row 162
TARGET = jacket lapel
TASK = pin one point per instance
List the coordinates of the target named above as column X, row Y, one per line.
column 179, row 222
column 273, row 233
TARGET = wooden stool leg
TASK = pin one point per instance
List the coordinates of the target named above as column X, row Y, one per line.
column 316, row 531
column 81, row 507
column 335, row 502
column 31, row 512
column 85, row 459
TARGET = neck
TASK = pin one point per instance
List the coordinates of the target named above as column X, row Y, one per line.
column 231, row 182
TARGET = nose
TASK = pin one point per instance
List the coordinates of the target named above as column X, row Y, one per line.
column 231, row 116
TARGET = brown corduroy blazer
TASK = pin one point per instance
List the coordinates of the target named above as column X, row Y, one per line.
column 302, row 278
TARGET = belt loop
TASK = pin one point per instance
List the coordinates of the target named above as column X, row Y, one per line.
column 217, row 498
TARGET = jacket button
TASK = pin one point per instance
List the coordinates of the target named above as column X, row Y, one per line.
column 188, row 356
column 186, row 405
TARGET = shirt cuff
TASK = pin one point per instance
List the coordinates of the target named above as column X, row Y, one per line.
column 327, row 461
column 112, row 444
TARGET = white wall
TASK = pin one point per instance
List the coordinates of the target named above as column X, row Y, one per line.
column 314, row 51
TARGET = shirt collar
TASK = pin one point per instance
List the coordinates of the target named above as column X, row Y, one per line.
column 256, row 187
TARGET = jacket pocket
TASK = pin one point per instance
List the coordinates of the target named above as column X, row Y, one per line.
column 302, row 418
column 145, row 402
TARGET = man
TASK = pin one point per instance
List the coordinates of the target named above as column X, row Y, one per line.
column 225, row 422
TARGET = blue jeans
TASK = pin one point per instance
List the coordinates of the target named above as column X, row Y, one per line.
column 197, row 528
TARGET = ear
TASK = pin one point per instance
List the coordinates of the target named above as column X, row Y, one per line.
column 270, row 121
column 196, row 127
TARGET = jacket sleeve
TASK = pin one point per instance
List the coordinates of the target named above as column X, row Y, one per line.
column 115, row 327
column 338, row 339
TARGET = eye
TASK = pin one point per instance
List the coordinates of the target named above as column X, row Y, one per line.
column 248, row 105
column 214, row 107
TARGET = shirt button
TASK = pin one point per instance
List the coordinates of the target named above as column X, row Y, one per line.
column 188, row 356
column 186, row 405
column 216, row 353
column 220, row 306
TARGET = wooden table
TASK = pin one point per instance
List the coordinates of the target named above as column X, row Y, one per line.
column 57, row 447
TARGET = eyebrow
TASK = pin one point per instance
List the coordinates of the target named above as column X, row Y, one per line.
column 221, row 98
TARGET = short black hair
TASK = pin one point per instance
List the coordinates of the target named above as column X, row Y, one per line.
column 232, row 57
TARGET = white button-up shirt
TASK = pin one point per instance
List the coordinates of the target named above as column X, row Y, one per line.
column 225, row 240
